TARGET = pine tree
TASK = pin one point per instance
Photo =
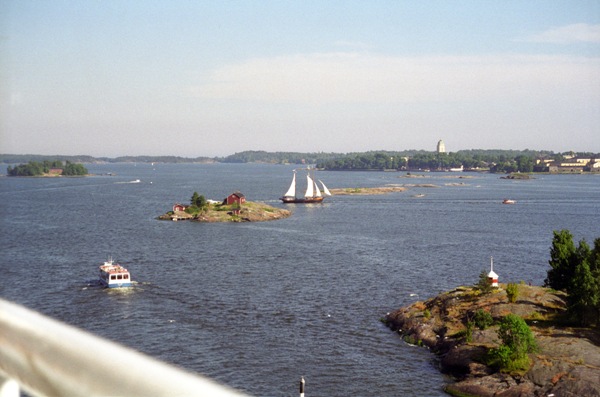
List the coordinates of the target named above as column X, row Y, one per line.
column 562, row 257
column 583, row 301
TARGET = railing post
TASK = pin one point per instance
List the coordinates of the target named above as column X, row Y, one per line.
column 301, row 387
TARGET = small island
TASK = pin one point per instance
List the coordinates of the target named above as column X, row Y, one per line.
column 47, row 168
column 234, row 208
column 516, row 339
column 364, row 191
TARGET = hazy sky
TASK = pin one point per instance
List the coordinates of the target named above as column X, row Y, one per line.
column 211, row 78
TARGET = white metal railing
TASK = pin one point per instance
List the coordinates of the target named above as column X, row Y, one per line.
column 45, row 357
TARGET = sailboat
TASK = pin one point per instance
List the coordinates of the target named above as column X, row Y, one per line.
column 312, row 194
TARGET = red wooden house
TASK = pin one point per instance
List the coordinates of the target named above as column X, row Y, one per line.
column 179, row 207
column 236, row 197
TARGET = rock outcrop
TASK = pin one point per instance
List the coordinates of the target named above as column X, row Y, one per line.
column 567, row 362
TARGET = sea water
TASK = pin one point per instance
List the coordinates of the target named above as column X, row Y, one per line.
column 258, row 305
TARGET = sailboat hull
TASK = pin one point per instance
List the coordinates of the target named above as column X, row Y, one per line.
column 306, row 200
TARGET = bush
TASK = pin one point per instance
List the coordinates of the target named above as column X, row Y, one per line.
column 483, row 319
column 517, row 342
column 512, row 291
column 426, row 314
column 469, row 332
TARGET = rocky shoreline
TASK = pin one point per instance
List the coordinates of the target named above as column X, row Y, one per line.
column 567, row 362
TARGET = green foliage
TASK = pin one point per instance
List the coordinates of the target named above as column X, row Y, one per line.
column 34, row 168
column 199, row 201
column 483, row 284
column 502, row 161
column 584, row 295
column 483, row 319
column 512, row 291
column 380, row 160
column 500, row 356
column 576, row 270
column 192, row 210
column 194, row 198
column 469, row 332
column 427, row 314
column 562, row 258
column 251, row 156
column 72, row 169
column 517, row 343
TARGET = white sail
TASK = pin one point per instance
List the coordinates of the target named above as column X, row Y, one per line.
column 309, row 187
column 292, row 190
column 325, row 190
column 317, row 191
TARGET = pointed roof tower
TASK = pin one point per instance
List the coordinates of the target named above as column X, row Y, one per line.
column 492, row 276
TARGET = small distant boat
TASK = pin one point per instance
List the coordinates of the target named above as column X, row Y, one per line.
column 312, row 194
column 508, row 201
column 113, row 275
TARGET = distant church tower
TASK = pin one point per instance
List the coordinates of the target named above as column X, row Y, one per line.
column 441, row 147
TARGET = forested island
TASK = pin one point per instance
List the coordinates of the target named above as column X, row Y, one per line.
column 496, row 161
column 517, row 339
column 47, row 168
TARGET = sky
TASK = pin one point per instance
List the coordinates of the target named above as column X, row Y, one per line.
column 212, row 78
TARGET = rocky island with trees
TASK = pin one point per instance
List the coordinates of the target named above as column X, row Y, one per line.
column 238, row 210
column 518, row 339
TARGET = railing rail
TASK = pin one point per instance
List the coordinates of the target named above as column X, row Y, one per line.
column 45, row 357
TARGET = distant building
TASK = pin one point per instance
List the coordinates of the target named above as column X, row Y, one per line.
column 441, row 147
column 572, row 164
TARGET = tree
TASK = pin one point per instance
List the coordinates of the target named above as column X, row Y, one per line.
column 71, row 169
column 198, row 201
column 512, row 291
column 483, row 319
column 484, row 284
column 194, row 199
column 201, row 202
column 517, row 341
column 576, row 271
column 583, row 289
column 524, row 163
column 562, row 256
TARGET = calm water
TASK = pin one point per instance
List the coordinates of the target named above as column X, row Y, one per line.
column 257, row 306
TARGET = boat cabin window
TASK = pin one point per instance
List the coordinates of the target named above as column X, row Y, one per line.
column 119, row 277
column 113, row 277
column 126, row 276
